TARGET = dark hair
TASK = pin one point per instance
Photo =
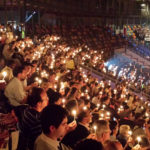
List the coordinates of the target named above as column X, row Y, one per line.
column 80, row 101
column 89, row 144
column 82, row 115
column 104, row 99
column 112, row 125
column 54, row 97
column 18, row 70
column 35, row 96
column 144, row 142
column 71, row 104
column 52, row 115
column 73, row 91
column 11, row 62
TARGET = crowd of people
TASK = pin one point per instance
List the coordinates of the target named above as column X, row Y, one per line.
column 56, row 104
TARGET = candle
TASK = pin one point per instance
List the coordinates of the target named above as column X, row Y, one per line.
column 4, row 73
column 102, row 115
column 98, row 105
column 63, row 102
column 95, row 128
column 74, row 112
column 84, row 108
column 139, row 139
column 39, row 81
column 130, row 133
column 108, row 113
column 103, row 106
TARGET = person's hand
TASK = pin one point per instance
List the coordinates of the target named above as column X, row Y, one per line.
column 92, row 136
column 72, row 126
column 136, row 147
column 35, row 84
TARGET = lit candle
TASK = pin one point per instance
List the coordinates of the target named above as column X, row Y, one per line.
column 102, row 115
column 84, row 108
column 108, row 113
column 63, row 102
column 139, row 140
column 74, row 112
column 103, row 106
column 95, row 128
column 40, row 81
column 4, row 73
column 55, row 86
column 98, row 105
column 130, row 133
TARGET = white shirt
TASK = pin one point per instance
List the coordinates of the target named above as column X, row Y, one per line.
column 45, row 142
column 15, row 92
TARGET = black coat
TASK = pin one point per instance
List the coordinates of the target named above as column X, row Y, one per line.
column 73, row 137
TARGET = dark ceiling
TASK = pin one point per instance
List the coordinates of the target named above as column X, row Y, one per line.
column 77, row 7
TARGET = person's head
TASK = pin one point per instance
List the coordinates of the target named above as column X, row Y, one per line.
column 38, row 99
column 12, row 64
column 81, row 104
column 28, row 69
column 124, row 130
column 33, row 67
column 106, row 100
column 20, row 72
column 87, row 103
column 54, row 97
column 89, row 144
column 71, row 105
column 52, row 76
column 73, row 92
column 103, row 131
column 54, row 121
column 85, row 117
column 112, row 145
column 144, row 142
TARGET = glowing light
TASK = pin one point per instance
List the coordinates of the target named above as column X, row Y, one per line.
column 139, row 139
column 4, row 73
column 84, row 108
column 74, row 112
column 95, row 128
column 130, row 133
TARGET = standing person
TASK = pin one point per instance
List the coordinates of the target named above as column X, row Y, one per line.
column 54, row 126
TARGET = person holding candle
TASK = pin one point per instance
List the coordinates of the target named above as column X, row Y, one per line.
column 82, row 130
column 72, row 107
column 9, row 71
column 54, row 127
